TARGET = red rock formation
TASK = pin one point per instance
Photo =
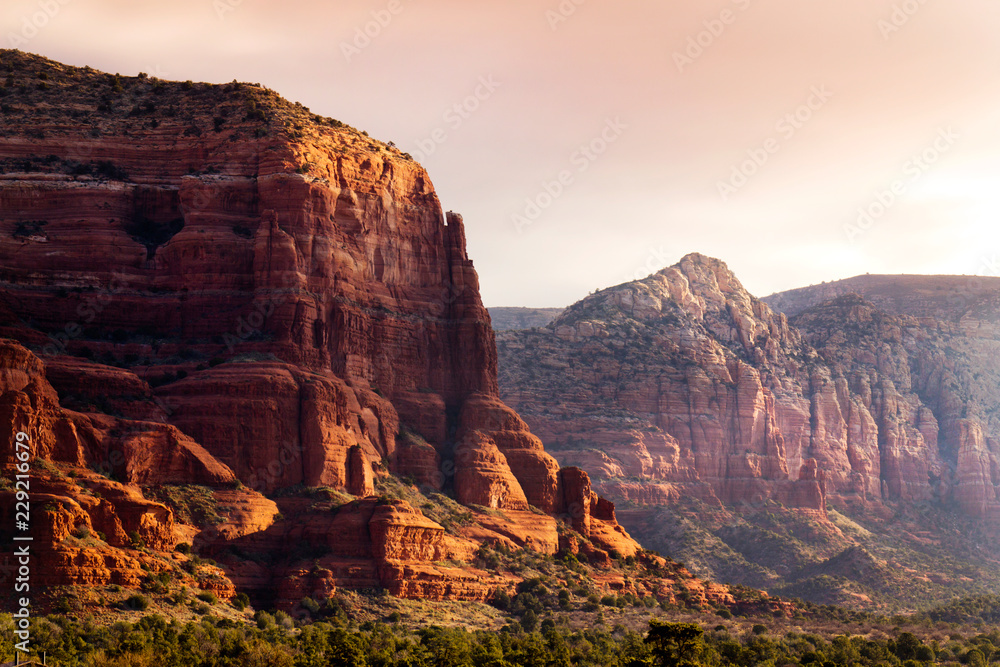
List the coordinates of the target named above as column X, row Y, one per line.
column 712, row 392
column 368, row 543
column 679, row 379
column 255, row 293
column 684, row 385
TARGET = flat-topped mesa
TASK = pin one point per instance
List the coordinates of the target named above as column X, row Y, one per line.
column 277, row 287
column 284, row 236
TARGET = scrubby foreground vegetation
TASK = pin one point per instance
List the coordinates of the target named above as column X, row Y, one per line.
column 958, row 633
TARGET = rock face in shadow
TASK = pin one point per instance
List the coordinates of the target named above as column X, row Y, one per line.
column 209, row 285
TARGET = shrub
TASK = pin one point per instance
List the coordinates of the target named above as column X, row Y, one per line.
column 136, row 602
column 208, row 596
column 241, row 602
column 501, row 600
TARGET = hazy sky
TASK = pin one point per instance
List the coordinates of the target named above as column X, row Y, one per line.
column 750, row 130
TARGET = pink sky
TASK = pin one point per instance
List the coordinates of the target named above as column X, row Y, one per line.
column 672, row 132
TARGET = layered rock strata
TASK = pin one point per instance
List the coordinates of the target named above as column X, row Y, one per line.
column 209, row 285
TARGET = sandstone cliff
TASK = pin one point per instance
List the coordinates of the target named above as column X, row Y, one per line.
column 211, row 286
column 684, row 387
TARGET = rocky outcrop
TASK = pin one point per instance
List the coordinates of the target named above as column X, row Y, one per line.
column 684, row 385
column 226, row 289
column 368, row 543
column 683, row 381
column 707, row 414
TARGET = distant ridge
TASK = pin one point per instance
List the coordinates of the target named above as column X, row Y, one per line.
column 944, row 297
column 517, row 319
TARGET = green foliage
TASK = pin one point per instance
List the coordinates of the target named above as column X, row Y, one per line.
column 275, row 639
column 208, row 597
column 191, row 504
column 137, row 602
column 675, row 644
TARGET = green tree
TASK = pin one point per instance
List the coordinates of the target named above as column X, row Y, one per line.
column 975, row 658
column 906, row 645
column 675, row 644
column 345, row 649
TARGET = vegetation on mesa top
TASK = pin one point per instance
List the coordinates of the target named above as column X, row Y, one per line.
column 35, row 90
